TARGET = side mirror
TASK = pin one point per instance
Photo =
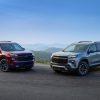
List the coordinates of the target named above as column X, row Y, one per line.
column 63, row 50
column 23, row 48
column 91, row 51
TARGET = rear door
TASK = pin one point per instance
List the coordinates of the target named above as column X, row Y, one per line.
column 92, row 55
column 98, row 51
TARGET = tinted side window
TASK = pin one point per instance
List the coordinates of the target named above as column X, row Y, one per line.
column 93, row 48
column 98, row 46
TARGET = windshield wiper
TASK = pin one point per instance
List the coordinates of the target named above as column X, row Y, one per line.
column 71, row 51
column 68, row 51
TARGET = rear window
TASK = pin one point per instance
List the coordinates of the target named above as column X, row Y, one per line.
column 98, row 46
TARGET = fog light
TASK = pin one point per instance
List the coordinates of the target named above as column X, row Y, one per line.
column 17, row 66
column 73, row 62
column 13, row 58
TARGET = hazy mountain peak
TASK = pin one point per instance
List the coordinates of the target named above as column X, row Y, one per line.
column 44, row 47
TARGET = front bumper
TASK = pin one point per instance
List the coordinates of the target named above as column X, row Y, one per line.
column 22, row 64
column 68, row 66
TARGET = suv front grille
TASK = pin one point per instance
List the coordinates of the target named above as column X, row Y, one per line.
column 60, row 59
column 24, row 57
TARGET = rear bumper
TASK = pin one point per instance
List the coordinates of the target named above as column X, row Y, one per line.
column 21, row 64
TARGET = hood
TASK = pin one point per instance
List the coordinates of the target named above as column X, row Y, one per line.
column 21, row 52
column 61, row 53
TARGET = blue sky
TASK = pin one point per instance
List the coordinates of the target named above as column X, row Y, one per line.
column 49, row 21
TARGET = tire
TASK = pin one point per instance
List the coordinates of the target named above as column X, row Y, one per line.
column 4, row 66
column 83, row 68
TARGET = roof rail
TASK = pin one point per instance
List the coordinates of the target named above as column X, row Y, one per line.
column 97, row 41
column 5, row 41
column 84, row 41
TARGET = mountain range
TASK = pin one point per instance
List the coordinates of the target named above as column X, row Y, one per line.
column 43, row 52
column 44, row 47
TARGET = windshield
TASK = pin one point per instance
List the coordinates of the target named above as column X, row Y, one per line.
column 76, row 48
column 11, row 47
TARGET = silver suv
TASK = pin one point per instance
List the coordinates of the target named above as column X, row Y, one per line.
column 78, row 56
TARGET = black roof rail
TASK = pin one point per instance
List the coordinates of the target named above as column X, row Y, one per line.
column 84, row 41
column 5, row 41
column 97, row 42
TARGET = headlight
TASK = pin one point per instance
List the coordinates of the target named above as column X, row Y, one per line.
column 11, row 55
column 73, row 56
column 51, row 56
column 14, row 55
column 33, row 53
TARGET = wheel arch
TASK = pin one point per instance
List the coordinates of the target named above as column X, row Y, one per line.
column 2, row 57
column 85, row 60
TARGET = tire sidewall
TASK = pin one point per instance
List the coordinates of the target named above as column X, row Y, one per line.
column 2, row 62
column 81, row 64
